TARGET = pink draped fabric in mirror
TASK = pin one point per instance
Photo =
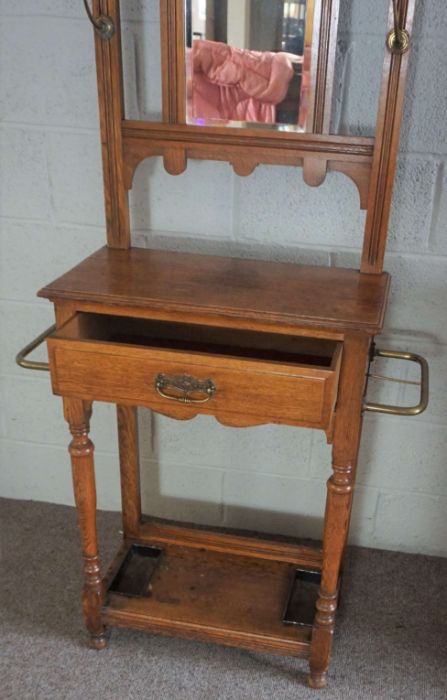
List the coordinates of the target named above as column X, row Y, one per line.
column 248, row 62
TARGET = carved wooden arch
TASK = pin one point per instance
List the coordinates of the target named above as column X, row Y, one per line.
column 175, row 161
column 316, row 155
column 370, row 163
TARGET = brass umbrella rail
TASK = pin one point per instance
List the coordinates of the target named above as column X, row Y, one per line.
column 391, row 409
column 28, row 349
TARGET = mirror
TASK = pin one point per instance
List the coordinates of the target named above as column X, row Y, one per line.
column 249, row 62
column 141, row 60
column 362, row 29
column 347, row 38
column 359, row 52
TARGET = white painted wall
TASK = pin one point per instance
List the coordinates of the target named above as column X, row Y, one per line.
column 270, row 478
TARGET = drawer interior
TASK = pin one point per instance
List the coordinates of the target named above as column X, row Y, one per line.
column 273, row 347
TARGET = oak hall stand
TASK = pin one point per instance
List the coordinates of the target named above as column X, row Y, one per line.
column 248, row 342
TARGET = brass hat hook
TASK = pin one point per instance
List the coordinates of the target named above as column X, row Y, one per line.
column 104, row 26
column 398, row 39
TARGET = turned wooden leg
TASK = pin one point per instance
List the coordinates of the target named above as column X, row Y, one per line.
column 129, row 469
column 338, row 506
column 81, row 448
column 340, row 490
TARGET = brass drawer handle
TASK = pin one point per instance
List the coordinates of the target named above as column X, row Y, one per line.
column 186, row 385
column 402, row 410
column 27, row 350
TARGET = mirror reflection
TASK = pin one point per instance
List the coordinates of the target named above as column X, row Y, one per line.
column 249, row 62
column 355, row 62
column 360, row 50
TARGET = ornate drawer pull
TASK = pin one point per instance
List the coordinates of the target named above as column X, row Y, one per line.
column 402, row 410
column 186, row 385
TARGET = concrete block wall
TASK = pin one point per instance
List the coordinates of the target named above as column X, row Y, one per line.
column 269, row 478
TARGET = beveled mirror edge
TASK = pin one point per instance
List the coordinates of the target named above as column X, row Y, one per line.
column 369, row 162
column 172, row 38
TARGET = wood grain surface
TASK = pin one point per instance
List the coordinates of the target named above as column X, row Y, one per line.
column 213, row 596
column 250, row 290
column 248, row 390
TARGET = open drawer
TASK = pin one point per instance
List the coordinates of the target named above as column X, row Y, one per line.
column 180, row 370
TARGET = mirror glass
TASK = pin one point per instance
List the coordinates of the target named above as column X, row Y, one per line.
column 141, row 54
column 362, row 28
column 249, row 62
column 282, row 34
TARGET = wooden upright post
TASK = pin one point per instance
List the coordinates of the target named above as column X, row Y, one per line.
column 111, row 113
column 386, row 149
column 340, row 491
column 129, row 469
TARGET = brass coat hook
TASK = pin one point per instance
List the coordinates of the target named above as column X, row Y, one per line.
column 103, row 25
column 398, row 39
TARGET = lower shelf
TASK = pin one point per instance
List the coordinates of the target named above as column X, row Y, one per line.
column 226, row 597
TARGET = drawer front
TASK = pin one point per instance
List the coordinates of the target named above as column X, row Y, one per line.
column 236, row 391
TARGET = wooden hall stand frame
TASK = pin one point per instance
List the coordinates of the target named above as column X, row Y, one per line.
column 248, row 342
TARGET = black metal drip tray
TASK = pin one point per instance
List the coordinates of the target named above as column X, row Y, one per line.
column 300, row 605
column 134, row 575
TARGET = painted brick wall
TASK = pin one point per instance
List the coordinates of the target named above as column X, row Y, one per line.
column 268, row 478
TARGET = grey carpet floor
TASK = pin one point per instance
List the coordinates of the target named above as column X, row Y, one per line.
column 391, row 638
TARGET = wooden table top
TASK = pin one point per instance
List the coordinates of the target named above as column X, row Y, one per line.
column 233, row 288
